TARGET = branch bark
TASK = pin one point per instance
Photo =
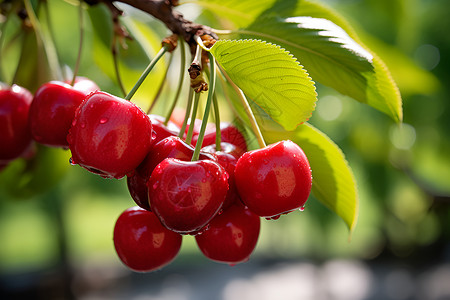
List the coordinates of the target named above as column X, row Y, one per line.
column 174, row 21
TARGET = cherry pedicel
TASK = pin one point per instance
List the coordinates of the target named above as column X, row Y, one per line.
column 187, row 195
column 15, row 136
column 231, row 236
column 109, row 135
column 52, row 113
column 274, row 180
column 142, row 243
column 170, row 147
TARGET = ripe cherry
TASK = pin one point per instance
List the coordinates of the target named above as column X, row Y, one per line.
column 231, row 236
column 52, row 112
column 162, row 131
column 187, row 195
column 170, row 147
column 84, row 85
column 142, row 243
column 274, row 180
column 228, row 162
column 229, row 134
column 109, row 135
column 14, row 132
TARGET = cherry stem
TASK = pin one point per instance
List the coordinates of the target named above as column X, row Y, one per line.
column 115, row 52
column 80, row 46
column 187, row 113
column 180, row 81
column 21, row 58
column 147, row 70
column 193, row 117
column 48, row 45
column 247, row 108
column 217, row 120
column 2, row 38
column 212, row 83
column 161, row 85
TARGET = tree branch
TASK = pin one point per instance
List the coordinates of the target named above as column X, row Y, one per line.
column 174, row 21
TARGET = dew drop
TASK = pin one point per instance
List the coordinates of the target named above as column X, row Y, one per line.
column 83, row 125
column 72, row 161
column 301, row 208
column 232, row 265
column 265, row 161
column 155, row 185
column 103, row 120
column 203, row 180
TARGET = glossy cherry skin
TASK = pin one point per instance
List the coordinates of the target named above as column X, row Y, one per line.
column 52, row 113
column 231, row 236
column 229, row 134
column 170, row 147
column 142, row 243
column 109, row 135
column 228, row 162
column 186, row 195
column 15, row 137
column 162, row 131
column 274, row 180
column 84, row 85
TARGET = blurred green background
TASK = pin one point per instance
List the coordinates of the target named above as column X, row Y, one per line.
column 52, row 213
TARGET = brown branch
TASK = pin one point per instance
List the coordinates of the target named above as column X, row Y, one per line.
column 174, row 21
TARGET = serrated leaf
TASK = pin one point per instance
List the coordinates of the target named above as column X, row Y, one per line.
column 325, row 60
column 333, row 58
column 333, row 181
column 241, row 13
column 271, row 77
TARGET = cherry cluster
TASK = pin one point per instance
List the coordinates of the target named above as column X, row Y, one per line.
column 218, row 198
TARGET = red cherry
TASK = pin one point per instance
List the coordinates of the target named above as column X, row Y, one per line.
column 274, row 180
column 162, row 131
column 224, row 147
column 228, row 161
column 84, row 85
column 229, row 134
column 231, row 236
column 52, row 113
column 15, row 136
column 170, row 147
column 185, row 196
column 109, row 135
column 142, row 243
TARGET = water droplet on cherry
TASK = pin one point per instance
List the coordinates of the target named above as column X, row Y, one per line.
column 103, row 120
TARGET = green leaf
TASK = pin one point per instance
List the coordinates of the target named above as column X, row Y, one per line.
column 326, row 45
column 241, row 13
column 333, row 181
column 332, row 58
column 271, row 77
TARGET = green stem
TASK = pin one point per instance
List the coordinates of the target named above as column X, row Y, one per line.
column 217, row 120
column 187, row 113
column 161, row 86
column 80, row 46
column 115, row 51
column 21, row 58
column 48, row 45
column 180, row 81
column 193, row 117
column 2, row 38
column 212, row 83
column 147, row 70
column 248, row 110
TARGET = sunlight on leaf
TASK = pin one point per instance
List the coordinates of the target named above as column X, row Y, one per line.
column 271, row 77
